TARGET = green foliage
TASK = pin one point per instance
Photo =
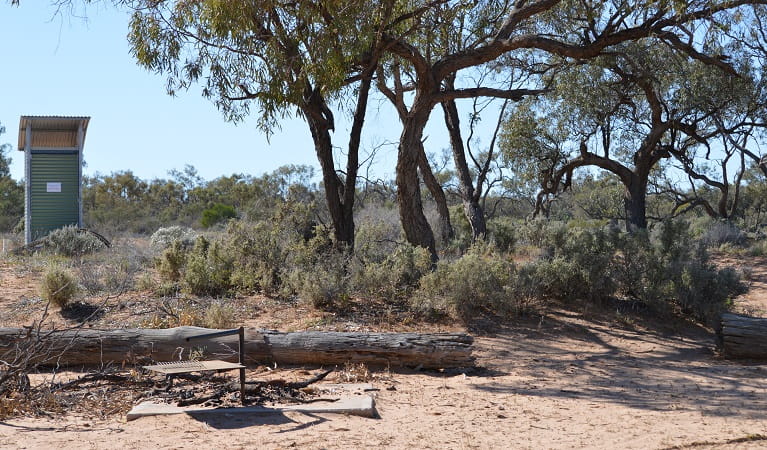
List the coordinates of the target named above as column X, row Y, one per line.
column 216, row 214
column 274, row 49
column 69, row 241
column 261, row 251
column 392, row 278
column 123, row 202
column 502, row 231
column 172, row 261
column 58, row 286
column 11, row 192
column 758, row 248
column 317, row 273
column 208, row 268
column 478, row 281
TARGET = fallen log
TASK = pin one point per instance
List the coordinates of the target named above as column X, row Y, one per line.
column 743, row 336
column 88, row 347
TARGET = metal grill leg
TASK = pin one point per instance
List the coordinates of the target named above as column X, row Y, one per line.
column 242, row 362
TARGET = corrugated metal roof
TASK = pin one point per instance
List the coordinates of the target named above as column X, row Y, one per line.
column 51, row 131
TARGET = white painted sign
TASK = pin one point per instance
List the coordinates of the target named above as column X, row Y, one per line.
column 52, row 187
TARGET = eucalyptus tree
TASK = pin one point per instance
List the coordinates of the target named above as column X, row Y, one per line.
column 551, row 29
column 448, row 30
column 624, row 113
column 278, row 58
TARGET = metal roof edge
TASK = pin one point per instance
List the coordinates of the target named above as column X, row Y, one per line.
column 74, row 120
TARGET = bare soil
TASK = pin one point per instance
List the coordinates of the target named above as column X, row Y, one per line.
column 563, row 379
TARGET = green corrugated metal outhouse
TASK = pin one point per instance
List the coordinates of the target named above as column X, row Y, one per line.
column 53, row 150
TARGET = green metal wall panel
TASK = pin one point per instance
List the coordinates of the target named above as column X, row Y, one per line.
column 50, row 210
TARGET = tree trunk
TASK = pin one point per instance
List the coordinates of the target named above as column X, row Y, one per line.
column 635, row 201
column 96, row 347
column 744, row 337
column 320, row 120
column 471, row 207
column 352, row 159
column 438, row 194
column 414, row 223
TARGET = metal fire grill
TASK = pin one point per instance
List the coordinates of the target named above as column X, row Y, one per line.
column 171, row 368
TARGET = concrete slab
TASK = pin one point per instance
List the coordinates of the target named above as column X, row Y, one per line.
column 343, row 387
column 357, row 405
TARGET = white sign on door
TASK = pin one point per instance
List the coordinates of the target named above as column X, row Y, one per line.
column 53, row 187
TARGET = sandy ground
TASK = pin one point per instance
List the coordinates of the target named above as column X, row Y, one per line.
column 566, row 380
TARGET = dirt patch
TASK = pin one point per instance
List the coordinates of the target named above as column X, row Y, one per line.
column 754, row 270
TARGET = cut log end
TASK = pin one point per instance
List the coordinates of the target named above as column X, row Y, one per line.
column 743, row 337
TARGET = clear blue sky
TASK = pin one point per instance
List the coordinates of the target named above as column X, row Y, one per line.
column 62, row 65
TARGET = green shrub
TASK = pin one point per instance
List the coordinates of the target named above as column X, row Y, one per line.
column 208, row 269
column 552, row 279
column 172, row 262
column 259, row 255
column 668, row 270
column 476, row 282
column 758, row 248
column 502, row 231
column 671, row 273
column 263, row 253
column 393, row 277
column 217, row 213
column 58, row 286
column 324, row 284
column 69, row 241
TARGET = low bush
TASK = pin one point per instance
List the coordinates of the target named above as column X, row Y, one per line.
column 69, row 241
column 208, row 269
column 758, row 248
column 163, row 238
column 503, row 234
column 668, row 270
column 391, row 278
column 58, row 286
column 219, row 315
column 172, row 261
column 723, row 233
column 478, row 281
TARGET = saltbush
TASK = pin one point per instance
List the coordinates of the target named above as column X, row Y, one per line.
column 667, row 270
column 70, row 241
column 219, row 315
column 163, row 238
column 478, row 281
column 721, row 232
column 394, row 276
